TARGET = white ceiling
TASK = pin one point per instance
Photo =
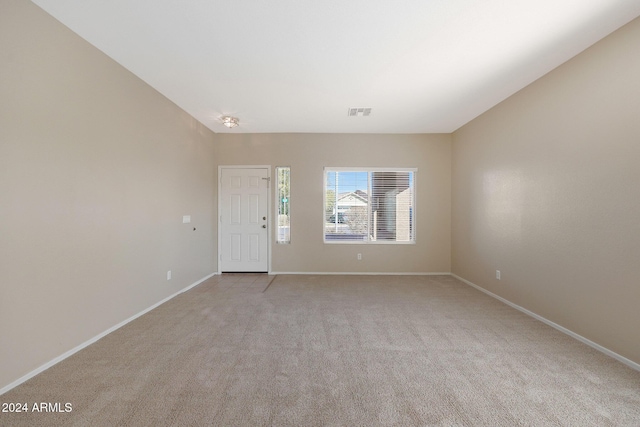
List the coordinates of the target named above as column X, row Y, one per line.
column 297, row 65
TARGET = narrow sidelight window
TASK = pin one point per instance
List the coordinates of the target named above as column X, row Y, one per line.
column 283, row 213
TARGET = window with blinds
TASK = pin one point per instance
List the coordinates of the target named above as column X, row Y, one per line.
column 369, row 205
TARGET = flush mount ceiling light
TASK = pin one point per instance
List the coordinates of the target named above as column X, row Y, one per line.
column 229, row 121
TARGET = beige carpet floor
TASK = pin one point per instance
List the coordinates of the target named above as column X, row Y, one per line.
column 334, row 351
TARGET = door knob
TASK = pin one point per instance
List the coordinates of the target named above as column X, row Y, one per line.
column 264, row 226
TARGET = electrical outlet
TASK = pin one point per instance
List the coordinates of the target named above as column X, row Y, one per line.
column 359, row 257
column 169, row 275
column 498, row 274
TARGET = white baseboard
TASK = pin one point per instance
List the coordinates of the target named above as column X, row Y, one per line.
column 94, row 339
column 562, row 329
column 356, row 273
column 629, row 363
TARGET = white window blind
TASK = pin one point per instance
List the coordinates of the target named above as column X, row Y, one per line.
column 369, row 205
column 283, row 213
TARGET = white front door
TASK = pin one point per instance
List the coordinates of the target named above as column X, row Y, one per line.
column 244, row 194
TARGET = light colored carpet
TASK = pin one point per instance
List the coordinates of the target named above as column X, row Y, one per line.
column 334, row 351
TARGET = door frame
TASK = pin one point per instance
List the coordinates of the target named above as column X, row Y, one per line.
column 269, row 213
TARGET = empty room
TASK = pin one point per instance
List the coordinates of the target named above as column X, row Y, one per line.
column 320, row 213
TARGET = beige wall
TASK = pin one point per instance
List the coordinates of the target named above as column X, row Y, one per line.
column 307, row 154
column 546, row 188
column 96, row 171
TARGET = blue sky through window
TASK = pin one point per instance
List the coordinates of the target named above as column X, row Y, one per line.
column 352, row 181
column 347, row 181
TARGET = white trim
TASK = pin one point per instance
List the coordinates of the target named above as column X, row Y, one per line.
column 94, row 339
column 366, row 169
column 414, row 191
column 629, row 363
column 562, row 329
column 244, row 167
column 268, row 168
column 368, row 242
column 358, row 273
column 276, row 206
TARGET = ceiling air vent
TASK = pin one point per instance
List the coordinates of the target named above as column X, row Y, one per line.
column 359, row 112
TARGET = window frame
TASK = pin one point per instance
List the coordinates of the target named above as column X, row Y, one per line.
column 369, row 170
column 277, row 206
